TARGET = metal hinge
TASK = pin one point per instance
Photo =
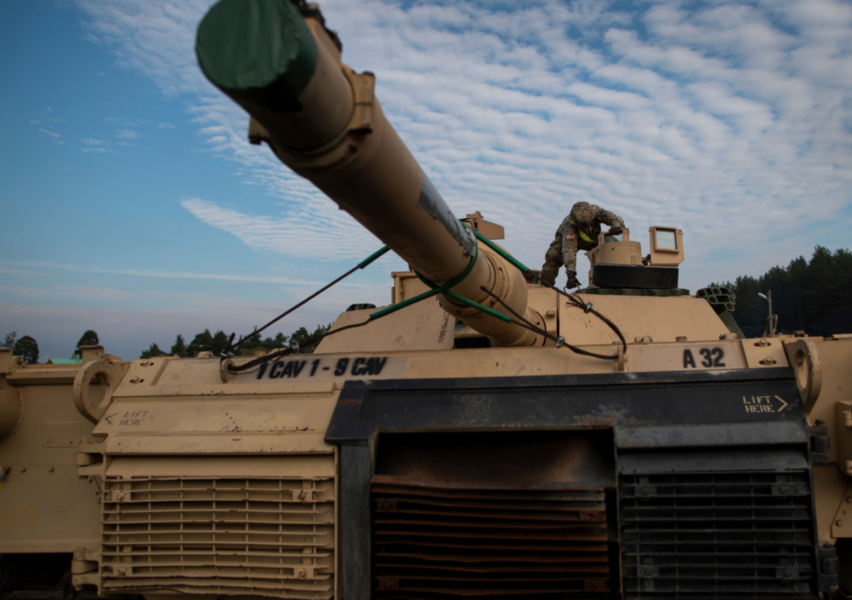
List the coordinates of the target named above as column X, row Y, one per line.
column 84, row 568
column 829, row 566
column 91, row 461
column 820, row 443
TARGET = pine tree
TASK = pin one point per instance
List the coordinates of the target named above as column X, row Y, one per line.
column 179, row 348
column 27, row 347
column 9, row 342
column 153, row 352
column 301, row 336
column 200, row 343
column 813, row 296
column 207, row 342
column 90, row 338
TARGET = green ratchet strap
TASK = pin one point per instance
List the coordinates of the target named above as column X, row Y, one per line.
column 433, row 292
column 377, row 254
column 445, row 289
column 518, row 264
column 484, row 309
column 462, row 299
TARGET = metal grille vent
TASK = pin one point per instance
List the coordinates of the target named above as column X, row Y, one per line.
column 717, row 536
column 219, row 535
column 434, row 540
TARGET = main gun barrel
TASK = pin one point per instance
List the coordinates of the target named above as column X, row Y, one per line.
column 323, row 121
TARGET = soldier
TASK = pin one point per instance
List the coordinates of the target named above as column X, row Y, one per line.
column 580, row 229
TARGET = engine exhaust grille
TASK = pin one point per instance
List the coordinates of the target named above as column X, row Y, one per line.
column 433, row 540
column 266, row 536
column 717, row 536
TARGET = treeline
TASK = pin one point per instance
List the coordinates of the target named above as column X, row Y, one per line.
column 812, row 296
column 218, row 343
column 27, row 348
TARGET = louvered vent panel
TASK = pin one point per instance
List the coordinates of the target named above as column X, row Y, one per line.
column 719, row 536
column 219, row 535
column 432, row 542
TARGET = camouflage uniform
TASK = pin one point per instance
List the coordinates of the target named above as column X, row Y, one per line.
column 563, row 249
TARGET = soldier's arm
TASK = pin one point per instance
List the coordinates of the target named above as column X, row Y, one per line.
column 608, row 218
column 569, row 247
column 564, row 226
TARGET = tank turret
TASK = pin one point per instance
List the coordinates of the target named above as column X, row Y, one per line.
column 324, row 121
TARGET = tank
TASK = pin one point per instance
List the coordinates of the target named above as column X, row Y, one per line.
column 482, row 436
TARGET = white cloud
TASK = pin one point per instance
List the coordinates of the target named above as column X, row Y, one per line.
column 17, row 272
column 126, row 134
column 97, row 149
column 162, row 274
column 730, row 120
column 88, row 291
column 294, row 235
column 65, row 291
column 52, row 134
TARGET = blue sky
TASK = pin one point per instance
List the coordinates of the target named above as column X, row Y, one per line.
column 134, row 206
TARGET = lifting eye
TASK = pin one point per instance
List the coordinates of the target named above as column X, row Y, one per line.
column 804, row 359
column 93, row 387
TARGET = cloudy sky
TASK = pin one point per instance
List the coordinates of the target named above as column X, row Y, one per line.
column 133, row 205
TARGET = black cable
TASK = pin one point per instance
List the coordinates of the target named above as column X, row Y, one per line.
column 287, row 351
column 526, row 324
column 378, row 253
column 518, row 320
column 521, row 320
column 260, row 360
column 579, row 304
column 230, row 349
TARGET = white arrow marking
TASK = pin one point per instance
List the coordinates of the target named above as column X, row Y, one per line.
column 782, row 402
